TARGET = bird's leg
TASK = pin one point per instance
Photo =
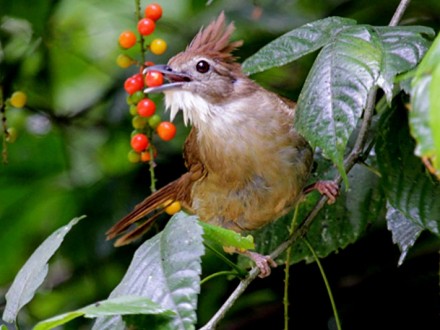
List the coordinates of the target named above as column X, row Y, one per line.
column 264, row 263
column 327, row 188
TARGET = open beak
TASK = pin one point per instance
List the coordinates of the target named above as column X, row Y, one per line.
column 176, row 79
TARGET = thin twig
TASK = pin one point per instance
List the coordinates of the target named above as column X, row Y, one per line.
column 327, row 284
column 398, row 14
column 349, row 162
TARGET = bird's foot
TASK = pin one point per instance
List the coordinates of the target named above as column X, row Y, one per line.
column 264, row 263
column 327, row 188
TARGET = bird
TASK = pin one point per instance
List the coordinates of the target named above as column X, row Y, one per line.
column 246, row 164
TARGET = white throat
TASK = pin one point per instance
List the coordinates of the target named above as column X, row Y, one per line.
column 195, row 109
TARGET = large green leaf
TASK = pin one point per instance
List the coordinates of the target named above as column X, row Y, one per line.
column 407, row 185
column 33, row 273
column 425, row 104
column 347, row 68
column 295, row 44
column 336, row 90
column 123, row 305
column 165, row 269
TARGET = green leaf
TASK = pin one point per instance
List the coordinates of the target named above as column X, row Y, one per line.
column 425, row 105
column 336, row 89
column 123, row 305
column 407, row 185
column 403, row 48
column 347, row 68
column 405, row 232
column 165, row 269
column 295, row 44
column 227, row 237
column 33, row 273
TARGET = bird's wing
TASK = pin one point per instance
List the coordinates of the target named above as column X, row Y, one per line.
column 154, row 205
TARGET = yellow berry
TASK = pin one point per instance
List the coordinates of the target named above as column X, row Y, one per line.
column 124, row 61
column 18, row 99
column 172, row 208
column 158, row 46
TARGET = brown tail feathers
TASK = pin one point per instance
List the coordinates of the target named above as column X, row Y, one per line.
column 155, row 202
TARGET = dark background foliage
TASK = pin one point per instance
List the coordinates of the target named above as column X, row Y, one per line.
column 70, row 159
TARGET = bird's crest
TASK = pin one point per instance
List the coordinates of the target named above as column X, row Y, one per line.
column 214, row 40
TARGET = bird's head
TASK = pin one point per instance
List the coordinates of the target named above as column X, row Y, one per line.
column 203, row 76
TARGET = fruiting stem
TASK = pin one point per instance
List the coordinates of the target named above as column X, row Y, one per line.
column 141, row 37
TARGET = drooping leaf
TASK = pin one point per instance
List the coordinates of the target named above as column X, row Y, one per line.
column 335, row 92
column 407, row 185
column 295, row 44
column 165, row 269
column 33, row 272
column 404, row 232
column 227, row 237
column 425, row 106
column 123, row 305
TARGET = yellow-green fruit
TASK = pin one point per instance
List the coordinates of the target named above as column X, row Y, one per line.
column 134, row 157
column 139, row 122
column 18, row 99
column 124, row 61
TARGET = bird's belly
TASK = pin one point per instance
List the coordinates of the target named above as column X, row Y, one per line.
column 243, row 206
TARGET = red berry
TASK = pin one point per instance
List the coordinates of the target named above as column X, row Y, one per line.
column 153, row 79
column 127, row 39
column 146, row 26
column 139, row 142
column 134, row 83
column 153, row 11
column 166, row 130
column 146, row 108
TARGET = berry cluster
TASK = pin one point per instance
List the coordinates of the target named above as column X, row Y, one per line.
column 145, row 121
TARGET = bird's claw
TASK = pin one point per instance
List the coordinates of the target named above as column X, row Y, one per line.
column 327, row 188
column 264, row 263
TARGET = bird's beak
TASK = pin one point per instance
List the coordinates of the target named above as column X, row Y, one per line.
column 176, row 79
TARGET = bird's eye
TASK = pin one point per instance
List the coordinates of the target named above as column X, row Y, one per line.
column 202, row 66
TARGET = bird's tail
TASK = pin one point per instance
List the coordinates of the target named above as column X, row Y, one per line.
column 151, row 207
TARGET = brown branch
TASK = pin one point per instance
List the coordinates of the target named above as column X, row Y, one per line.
column 349, row 162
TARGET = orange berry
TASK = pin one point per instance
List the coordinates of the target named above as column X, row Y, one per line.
column 127, row 39
column 146, row 155
column 166, row 130
column 153, row 11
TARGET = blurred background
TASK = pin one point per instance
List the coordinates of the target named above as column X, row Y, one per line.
column 70, row 159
